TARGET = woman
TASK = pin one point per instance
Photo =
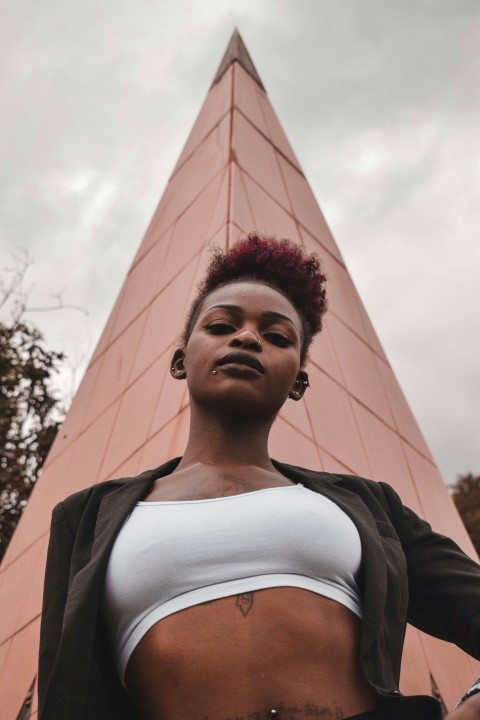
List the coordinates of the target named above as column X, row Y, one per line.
column 227, row 585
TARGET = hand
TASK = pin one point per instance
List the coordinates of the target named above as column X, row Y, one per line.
column 468, row 710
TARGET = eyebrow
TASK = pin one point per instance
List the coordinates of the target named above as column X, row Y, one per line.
column 267, row 314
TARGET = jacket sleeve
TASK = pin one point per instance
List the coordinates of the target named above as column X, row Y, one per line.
column 55, row 591
column 444, row 583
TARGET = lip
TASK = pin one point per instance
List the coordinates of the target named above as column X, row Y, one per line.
column 242, row 358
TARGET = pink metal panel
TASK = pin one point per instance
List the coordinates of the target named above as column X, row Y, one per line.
column 34, row 708
column 115, row 369
column 234, row 233
column 404, row 420
column 369, row 332
column 169, row 442
column 36, row 516
column 162, row 325
column 270, row 218
column 75, row 419
column 334, row 423
column 190, row 180
column 141, row 284
column 194, row 228
column 332, row 464
column 415, row 675
column 72, row 470
column 217, row 104
column 360, row 370
column 246, row 99
column 131, row 425
column 17, row 581
column 322, row 354
column 22, row 667
column 305, row 208
column 107, row 330
column 257, row 158
column 201, row 262
column 151, row 238
column 4, row 648
column 342, row 295
column 450, row 667
column 288, row 445
column 295, row 413
column 386, row 455
column 129, row 468
column 173, row 396
column 276, row 133
column 31, row 603
column 240, row 210
column 89, row 452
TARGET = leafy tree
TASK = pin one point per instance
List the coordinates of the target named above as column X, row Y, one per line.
column 30, row 413
column 29, row 417
column 466, row 495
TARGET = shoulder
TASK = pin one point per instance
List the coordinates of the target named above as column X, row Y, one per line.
column 381, row 499
column 354, row 483
column 92, row 495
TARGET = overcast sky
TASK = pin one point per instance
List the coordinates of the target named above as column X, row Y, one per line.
column 380, row 100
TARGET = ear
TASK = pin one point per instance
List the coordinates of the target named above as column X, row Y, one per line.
column 177, row 365
column 300, row 386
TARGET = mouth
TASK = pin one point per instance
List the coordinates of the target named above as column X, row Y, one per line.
column 242, row 358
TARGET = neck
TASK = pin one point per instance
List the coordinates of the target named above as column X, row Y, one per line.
column 217, row 440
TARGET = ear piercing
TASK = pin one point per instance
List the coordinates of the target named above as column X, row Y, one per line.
column 177, row 372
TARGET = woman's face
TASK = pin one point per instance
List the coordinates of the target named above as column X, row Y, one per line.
column 243, row 356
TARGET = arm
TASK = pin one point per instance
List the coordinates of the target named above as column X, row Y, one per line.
column 54, row 596
column 444, row 583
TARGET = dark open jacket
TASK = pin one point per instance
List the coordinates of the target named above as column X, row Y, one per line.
column 409, row 574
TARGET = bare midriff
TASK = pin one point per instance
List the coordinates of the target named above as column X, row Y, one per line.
column 240, row 657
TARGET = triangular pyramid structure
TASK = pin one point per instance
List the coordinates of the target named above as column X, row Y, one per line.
column 237, row 173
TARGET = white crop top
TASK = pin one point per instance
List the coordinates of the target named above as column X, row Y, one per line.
column 171, row 555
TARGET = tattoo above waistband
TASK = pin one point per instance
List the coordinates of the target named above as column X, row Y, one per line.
column 244, row 603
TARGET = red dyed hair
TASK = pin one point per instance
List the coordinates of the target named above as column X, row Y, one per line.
column 278, row 263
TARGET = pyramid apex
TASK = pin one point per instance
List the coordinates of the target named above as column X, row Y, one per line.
column 237, row 52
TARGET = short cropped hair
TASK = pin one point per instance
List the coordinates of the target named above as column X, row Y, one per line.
column 280, row 264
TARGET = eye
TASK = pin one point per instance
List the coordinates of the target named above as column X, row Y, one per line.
column 219, row 328
column 278, row 339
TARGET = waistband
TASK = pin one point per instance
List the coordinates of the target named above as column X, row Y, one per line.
column 408, row 708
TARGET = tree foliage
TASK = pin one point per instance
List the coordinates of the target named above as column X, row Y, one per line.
column 466, row 495
column 29, row 417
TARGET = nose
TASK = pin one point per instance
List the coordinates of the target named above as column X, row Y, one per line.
column 246, row 338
